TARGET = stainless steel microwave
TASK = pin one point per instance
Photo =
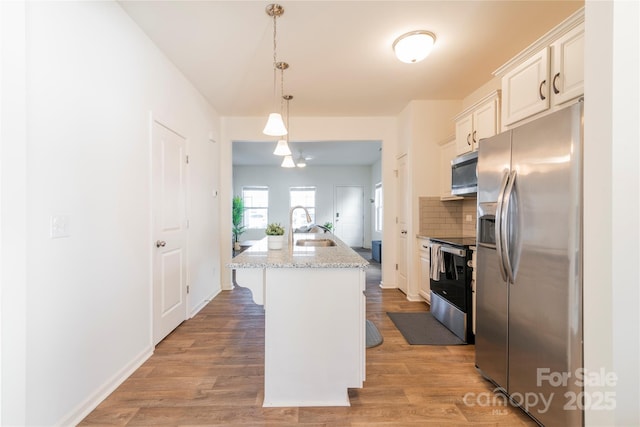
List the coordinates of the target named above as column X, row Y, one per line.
column 464, row 174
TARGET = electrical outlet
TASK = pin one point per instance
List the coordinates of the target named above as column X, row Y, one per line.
column 60, row 226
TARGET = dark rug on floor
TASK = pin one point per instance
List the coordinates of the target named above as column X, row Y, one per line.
column 421, row 328
column 373, row 335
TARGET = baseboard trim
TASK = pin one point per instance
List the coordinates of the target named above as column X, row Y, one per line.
column 414, row 298
column 204, row 303
column 92, row 402
column 383, row 286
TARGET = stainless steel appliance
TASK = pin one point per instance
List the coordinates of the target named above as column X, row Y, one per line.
column 529, row 265
column 451, row 288
column 464, row 178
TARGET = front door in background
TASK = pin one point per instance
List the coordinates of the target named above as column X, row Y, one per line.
column 169, row 230
column 403, row 208
column 349, row 217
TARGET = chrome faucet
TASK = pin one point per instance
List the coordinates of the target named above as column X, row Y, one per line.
column 291, row 222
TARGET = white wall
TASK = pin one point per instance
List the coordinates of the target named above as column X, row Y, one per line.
column 324, row 178
column 313, row 129
column 92, row 80
column 423, row 125
column 611, row 209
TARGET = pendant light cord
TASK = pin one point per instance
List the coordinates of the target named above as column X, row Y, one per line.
column 275, row 60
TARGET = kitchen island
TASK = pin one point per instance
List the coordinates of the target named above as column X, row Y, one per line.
column 314, row 319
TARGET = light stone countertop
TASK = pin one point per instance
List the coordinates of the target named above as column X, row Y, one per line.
column 339, row 256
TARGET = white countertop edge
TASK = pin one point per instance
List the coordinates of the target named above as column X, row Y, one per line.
column 298, row 265
column 339, row 256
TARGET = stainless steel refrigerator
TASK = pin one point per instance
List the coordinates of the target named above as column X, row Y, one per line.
column 529, row 265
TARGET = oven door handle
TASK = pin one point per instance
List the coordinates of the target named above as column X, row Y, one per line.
column 498, row 228
column 454, row 251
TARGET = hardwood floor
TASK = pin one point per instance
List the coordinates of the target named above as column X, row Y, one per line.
column 209, row 372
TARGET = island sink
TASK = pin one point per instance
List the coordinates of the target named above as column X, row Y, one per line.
column 315, row 242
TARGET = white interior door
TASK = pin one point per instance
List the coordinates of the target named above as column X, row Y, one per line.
column 402, row 204
column 349, row 216
column 169, row 231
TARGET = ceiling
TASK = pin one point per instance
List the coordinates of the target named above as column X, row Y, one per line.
column 339, row 52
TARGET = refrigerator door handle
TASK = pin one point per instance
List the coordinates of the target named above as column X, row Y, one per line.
column 504, row 225
column 499, row 209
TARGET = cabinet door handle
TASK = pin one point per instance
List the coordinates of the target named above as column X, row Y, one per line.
column 474, row 137
column 542, row 97
column 468, row 136
column 555, row 88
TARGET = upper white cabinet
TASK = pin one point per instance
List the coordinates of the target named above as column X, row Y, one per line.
column 526, row 89
column 549, row 73
column 567, row 82
column 481, row 120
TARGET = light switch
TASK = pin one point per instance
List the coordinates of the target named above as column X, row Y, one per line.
column 60, row 226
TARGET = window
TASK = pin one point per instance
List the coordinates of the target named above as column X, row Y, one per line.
column 303, row 196
column 378, row 206
column 256, row 206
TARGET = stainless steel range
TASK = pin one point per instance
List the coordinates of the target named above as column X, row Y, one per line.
column 451, row 284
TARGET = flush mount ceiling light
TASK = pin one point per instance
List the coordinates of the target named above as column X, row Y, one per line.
column 414, row 46
column 275, row 126
column 282, row 148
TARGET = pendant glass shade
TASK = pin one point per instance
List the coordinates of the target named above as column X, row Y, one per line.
column 287, row 162
column 282, row 149
column 414, row 46
column 275, row 125
column 301, row 162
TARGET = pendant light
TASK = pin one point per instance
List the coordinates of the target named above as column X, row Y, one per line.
column 287, row 162
column 275, row 126
column 414, row 46
column 301, row 162
column 282, row 148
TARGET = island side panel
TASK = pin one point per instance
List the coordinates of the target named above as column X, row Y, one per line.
column 314, row 335
column 253, row 279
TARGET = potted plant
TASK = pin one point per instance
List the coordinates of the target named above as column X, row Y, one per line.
column 328, row 225
column 237, row 212
column 275, row 235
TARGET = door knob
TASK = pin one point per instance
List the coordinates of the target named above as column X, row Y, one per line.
column 160, row 243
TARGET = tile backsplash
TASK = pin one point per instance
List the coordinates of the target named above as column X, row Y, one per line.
column 450, row 218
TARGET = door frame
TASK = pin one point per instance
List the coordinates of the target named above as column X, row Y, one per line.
column 402, row 242
column 163, row 121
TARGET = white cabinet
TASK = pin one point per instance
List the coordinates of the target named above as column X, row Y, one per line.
column 550, row 77
column 464, row 134
column 478, row 121
column 525, row 90
column 425, row 264
column 568, row 60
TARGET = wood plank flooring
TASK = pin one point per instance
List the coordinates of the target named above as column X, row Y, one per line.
column 209, row 372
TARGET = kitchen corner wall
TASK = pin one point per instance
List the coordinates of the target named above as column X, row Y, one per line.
column 447, row 218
